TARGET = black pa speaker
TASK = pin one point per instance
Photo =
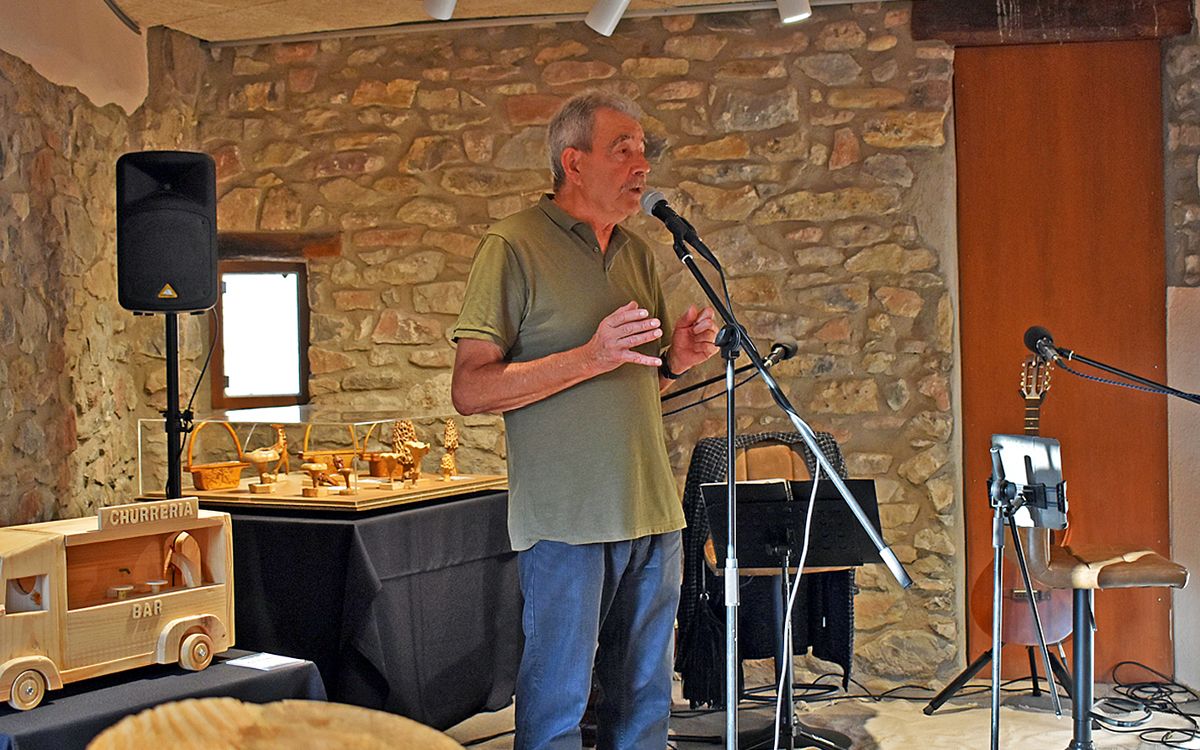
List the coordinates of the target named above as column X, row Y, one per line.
column 166, row 231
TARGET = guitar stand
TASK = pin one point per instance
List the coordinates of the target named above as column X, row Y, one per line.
column 1061, row 675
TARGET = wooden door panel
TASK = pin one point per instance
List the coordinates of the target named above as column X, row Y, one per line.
column 1060, row 215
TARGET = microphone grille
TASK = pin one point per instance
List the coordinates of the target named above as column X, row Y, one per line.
column 652, row 199
column 1033, row 335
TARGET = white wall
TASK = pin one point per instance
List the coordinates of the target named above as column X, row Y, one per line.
column 78, row 43
column 1183, row 372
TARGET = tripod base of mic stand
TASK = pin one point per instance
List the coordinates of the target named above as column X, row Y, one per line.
column 805, row 737
column 764, row 738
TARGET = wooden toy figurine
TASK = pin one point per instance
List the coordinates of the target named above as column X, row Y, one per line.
column 281, row 445
column 390, row 461
column 414, row 452
column 349, row 477
column 88, row 596
column 446, row 467
column 262, row 458
column 450, row 439
column 403, row 432
column 315, row 472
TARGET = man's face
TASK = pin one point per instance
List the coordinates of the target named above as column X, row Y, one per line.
column 613, row 174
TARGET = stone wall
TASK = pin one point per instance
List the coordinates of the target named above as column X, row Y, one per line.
column 75, row 369
column 1181, row 111
column 801, row 153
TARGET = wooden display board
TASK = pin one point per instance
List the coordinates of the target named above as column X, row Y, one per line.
column 369, row 495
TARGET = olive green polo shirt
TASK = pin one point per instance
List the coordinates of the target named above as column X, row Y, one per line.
column 589, row 463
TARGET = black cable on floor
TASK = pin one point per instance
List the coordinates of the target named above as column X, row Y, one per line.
column 1163, row 697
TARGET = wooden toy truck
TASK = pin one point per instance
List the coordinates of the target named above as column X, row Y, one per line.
column 146, row 583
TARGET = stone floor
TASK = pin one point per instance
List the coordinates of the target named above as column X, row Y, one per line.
column 1026, row 723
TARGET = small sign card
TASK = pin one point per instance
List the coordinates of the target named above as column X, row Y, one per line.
column 264, row 662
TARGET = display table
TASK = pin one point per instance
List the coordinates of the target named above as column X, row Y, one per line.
column 413, row 610
column 71, row 717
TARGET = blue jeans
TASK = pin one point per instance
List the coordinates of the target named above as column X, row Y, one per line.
column 620, row 597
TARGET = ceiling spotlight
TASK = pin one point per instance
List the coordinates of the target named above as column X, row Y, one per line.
column 442, row 9
column 791, row 11
column 604, row 15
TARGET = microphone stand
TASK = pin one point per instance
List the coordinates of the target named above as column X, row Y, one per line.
column 731, row 339
column 1165, row 390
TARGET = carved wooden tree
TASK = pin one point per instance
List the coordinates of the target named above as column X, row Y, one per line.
column 448, row 466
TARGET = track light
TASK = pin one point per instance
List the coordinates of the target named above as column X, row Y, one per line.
column 440, row 9
column 604, row 15
column 791, row 11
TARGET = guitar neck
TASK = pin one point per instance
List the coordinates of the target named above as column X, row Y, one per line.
column 1033, row 415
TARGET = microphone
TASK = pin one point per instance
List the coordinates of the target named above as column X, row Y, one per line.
column 654, row 203
column 781, row 350
column 1039, row 341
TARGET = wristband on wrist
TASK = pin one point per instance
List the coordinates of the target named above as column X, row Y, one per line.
column 665, row 370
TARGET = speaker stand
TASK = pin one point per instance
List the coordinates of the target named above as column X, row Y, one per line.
column 174, row 417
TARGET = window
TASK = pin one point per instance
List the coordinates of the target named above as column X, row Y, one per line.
column 261, row 356
column 26, row 594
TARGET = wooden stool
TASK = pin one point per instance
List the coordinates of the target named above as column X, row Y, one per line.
column 229, row 724
column 120, row 592
column 1084, row 569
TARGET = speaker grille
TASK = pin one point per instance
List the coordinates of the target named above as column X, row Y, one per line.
column 169, row 254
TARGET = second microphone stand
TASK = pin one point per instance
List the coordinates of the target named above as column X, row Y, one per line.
column 731, row 340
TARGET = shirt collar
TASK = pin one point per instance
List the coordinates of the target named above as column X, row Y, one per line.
column 578, row 227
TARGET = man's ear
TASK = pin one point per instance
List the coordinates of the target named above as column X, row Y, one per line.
column 571, row 158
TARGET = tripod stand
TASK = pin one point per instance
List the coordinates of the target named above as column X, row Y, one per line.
column 1041, row 504
column 792, row 734
column 1060, row 674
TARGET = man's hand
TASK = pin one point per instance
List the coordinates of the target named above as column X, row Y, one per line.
column 485, row 382
column 623, row 329
column 692, row 339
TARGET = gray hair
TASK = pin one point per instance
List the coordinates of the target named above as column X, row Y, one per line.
column 573, row 125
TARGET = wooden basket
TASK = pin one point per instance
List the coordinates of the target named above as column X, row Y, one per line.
column 222, row 475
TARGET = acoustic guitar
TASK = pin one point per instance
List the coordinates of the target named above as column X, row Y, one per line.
column 1054, row 605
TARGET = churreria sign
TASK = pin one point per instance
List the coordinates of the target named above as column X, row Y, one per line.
column 138, row 513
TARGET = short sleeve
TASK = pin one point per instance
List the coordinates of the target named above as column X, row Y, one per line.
column 494, row 302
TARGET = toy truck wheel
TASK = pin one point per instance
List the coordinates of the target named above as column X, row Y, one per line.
column 28, row 690
column 196, row 652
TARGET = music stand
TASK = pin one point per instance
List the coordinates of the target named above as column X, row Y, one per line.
column 770, row 528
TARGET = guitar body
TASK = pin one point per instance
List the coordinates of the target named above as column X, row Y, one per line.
column 1054, row 605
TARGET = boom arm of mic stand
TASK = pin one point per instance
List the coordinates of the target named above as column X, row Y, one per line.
column 806, row 432
column 1166, row 390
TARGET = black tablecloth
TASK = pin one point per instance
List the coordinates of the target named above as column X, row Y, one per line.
column 412, row 610
column 72, row 717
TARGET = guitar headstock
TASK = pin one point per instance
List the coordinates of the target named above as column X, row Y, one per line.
column 1035, row 378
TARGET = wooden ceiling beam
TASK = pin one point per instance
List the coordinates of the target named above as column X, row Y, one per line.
column 977, row 23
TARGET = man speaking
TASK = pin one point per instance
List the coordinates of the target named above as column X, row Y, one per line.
column 562, row 330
